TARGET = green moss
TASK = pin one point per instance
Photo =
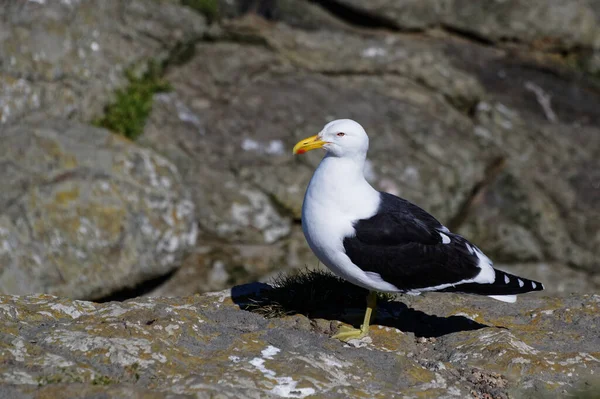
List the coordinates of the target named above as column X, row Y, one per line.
column 313, row 293
column 51, row 379
column 127, row 115
column 208, row 8
column 63, row 376
column 102, row 380
column 133, row 370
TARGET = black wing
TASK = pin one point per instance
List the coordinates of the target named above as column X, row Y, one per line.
column 402, row 243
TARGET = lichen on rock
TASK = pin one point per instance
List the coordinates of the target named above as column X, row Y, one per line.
column 204, row 345
column 85, row 213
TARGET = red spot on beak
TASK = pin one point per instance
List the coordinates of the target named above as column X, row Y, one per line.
column 300, row 151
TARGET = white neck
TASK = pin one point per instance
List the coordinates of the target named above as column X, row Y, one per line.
column 344, row 170
column 340, row 183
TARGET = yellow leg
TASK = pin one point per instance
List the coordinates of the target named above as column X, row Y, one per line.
column 346, row 333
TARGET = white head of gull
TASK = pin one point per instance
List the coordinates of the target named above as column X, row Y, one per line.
column 382, row 242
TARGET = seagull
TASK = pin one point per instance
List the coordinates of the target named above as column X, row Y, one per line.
column 382, row 242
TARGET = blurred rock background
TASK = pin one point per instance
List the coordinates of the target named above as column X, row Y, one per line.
column 145, row 145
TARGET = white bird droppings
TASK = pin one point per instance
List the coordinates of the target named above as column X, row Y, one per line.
column 18, row 350
column 170, row 329
column 285, row 386
column 372, row 52
column 270, row 351
column 273, row 147
column 250, row 145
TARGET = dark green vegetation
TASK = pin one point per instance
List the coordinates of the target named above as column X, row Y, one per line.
column 311, row 293
column 128, row 113
column 102, row 380
column 208, row 8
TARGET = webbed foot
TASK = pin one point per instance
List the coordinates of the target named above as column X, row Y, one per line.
column 346, row 333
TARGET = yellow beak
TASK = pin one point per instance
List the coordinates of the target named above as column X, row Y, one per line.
column 307, row 144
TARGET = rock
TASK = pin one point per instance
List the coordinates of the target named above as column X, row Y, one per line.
column 85, row 213
column 545, row 24
column 228, row 206
column 67, row 58
column 299, row 14
column 214, row 265
column 206, row 346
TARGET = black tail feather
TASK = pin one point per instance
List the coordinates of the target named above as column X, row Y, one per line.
column 505, row 284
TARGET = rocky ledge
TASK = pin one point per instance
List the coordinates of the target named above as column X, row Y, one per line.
column 242, row 343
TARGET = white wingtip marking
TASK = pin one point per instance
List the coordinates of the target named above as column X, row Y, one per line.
column 533, row 285
column 521, row 283
column 469, row 248
column 504, row 298
column 506, row 279
column 445, row 238
column 487, row 275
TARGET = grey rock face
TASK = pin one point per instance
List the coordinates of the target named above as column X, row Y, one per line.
column 551, row 24
column 66, row 58
column 480, row 112
column 84, row 213
column 205, row 346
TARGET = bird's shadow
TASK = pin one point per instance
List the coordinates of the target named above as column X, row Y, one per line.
column 318, row 294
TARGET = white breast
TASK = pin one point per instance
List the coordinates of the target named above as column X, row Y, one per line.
column 336, row 197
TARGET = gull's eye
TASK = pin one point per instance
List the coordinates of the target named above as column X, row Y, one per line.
column 340, row 134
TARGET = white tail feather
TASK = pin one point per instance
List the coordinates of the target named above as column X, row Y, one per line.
column 505, row 298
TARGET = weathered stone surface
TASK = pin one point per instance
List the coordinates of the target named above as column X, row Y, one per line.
column 212, row 266
column 84, row 213
column 440, row 345
column 66, row 58
column 300, row 14
column 547, row 24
